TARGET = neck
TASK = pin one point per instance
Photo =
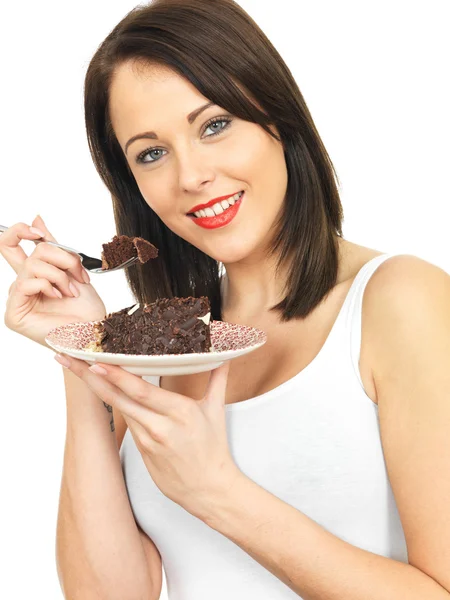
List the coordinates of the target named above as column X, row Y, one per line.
column 251, row 287
column 250, row 290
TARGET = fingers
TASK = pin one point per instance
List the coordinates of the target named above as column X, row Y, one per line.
column 20, row 293
column 10, row 247
column 109, row 393
column 14, row 254
column 113, row 396
column 65, row 261
column 58, row 257
column 31, row 287
column 217, row 383
column 39, row 223
column 35, row 268
column 134, row 387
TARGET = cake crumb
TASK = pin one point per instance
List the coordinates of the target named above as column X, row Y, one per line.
column 93, row 346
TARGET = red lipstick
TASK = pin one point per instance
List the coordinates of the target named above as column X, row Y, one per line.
column 211, row 202
column 218, row 220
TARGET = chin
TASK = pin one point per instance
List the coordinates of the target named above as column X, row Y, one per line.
column 225, row 245
column 228, row 257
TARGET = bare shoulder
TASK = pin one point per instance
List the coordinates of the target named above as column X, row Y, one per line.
column 406, row 273
column 406, row 301
column 408, row 319
column 404, row 284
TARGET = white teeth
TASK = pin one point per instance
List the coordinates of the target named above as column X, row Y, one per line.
column 219, row 207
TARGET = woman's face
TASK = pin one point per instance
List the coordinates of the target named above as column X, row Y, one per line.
column 191, row 161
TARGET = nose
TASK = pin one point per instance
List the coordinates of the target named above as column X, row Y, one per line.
column 194, row 170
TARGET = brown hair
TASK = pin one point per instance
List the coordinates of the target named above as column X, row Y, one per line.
column 216, row 46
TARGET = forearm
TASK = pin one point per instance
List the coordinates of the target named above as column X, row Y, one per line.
column 98, row 548
column 311, row 561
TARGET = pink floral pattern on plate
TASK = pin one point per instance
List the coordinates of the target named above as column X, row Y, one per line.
column 224, row 336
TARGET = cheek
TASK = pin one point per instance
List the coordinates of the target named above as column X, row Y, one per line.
column 257, row 155
column 264, row 166
column 155, row 193
column 243, row 156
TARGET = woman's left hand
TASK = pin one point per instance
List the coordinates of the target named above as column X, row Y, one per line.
column 183, row 441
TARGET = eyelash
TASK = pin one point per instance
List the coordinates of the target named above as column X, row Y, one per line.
column 227, row 120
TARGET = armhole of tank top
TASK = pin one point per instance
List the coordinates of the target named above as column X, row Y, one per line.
column 356, row 316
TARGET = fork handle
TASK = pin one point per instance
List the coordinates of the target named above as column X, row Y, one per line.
column 38, row 241
column 59, row 246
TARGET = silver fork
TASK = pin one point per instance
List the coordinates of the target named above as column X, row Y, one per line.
column 93, row 265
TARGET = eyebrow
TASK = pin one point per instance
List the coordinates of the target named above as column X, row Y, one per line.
column 151, row 135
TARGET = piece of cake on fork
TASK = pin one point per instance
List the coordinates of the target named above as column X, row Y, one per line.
column 122, row 247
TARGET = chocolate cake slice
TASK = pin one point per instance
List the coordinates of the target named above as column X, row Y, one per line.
column 121, row 248
column 167, row 326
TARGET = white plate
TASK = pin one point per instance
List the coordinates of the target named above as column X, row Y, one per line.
column 229, row 341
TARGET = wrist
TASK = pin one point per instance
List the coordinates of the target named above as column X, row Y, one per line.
column 220, row 500
column 84, row 406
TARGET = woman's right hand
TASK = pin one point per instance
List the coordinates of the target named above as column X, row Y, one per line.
column 52, row 287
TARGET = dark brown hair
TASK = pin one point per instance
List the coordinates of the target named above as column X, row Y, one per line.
column 216, row 46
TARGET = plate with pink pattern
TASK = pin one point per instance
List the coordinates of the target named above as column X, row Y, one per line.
column 228, row 340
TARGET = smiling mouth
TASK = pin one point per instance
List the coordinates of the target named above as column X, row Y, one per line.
column 220, row 206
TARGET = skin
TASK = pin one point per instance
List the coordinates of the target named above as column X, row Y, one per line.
column 183, row 442
column 406, row 328
column 193, row 166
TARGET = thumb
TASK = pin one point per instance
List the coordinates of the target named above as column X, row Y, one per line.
column 39, row 223
column 217, row 385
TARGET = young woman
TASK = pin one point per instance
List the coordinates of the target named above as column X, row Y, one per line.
column 316, row 466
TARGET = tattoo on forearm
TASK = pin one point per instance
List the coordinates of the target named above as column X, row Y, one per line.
column 110, row 410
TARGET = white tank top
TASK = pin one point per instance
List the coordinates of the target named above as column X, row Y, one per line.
column 314, row 441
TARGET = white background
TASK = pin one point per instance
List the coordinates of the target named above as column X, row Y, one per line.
column 374, row 75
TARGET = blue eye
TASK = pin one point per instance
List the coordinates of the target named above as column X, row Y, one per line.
column 140, row 157
column 216, row 125
column 214, row 122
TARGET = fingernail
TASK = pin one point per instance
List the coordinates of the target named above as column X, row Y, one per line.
column 98, row 370
column 85, row 276
column 74, row 290
column 57, row 292
column 62, row 360
column 37, row 231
